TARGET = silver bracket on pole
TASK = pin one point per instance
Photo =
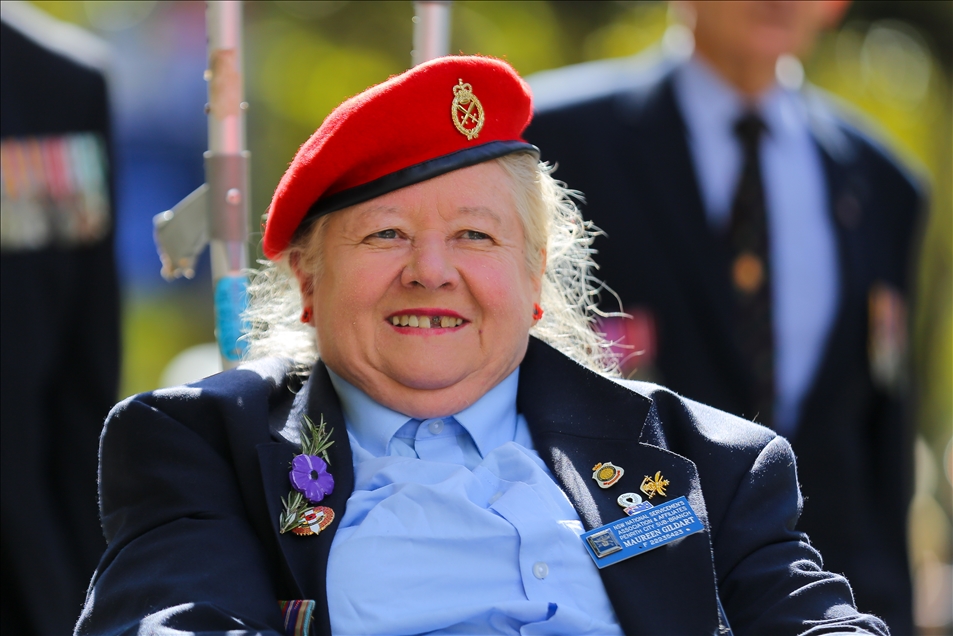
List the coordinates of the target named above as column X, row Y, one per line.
column 182, row 233
column 216, row 213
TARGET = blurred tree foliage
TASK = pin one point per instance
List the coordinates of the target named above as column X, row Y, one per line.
column 891, row 60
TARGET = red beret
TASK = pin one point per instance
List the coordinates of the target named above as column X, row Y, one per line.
column 446, row 114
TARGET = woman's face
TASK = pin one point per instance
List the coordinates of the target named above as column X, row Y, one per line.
column 424, row 299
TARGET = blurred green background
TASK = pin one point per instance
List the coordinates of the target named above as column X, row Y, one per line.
column 891, row 60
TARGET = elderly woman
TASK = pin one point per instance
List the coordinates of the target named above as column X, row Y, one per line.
column 460, row 458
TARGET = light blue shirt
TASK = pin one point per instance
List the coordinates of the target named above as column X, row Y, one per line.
column 456, row 526
column 803, row 248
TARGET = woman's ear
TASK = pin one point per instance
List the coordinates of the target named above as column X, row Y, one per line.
column 542, row 271
column 305, row 279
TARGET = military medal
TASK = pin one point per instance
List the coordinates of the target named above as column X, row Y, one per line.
column 606, row 474
column 311, row 482
column 55, row 191
column 887, row 344
column 652, row 486
column 315, row 520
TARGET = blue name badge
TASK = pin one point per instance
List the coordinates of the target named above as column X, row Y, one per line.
column 643, row 531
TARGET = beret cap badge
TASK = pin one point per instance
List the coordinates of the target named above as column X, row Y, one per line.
column 466, row 111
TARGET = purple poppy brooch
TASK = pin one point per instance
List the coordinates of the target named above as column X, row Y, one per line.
column 311, row 482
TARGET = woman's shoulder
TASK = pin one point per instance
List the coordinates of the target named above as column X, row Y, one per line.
column 710, row 437
column 714, row 424
column 561, row 388
column 248, row 392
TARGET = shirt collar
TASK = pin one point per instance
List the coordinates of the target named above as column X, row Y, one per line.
column 370, row 423
column 710, row 104
column 491, row 420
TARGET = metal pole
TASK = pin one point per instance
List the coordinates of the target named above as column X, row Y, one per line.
column 431, row 31
column 226, row 173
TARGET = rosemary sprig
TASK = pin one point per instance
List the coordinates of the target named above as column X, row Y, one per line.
column 315, row 440
column 292, row 517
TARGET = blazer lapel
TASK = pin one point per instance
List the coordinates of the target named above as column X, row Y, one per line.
column 847, row 200
column 680, row 221
column 578, row 419
column 305, row 557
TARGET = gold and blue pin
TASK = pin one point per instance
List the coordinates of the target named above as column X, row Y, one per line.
column 607, row 474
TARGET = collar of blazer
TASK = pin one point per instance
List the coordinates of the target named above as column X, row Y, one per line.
column 577, row 418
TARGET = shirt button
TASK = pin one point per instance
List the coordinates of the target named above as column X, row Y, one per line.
column 436, row 427
column 540, row 570
column 495, row 497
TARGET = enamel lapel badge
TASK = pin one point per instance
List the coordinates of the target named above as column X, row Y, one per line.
column 315, row 520
column 311, row 482
column 607, row 474
column 632, row 503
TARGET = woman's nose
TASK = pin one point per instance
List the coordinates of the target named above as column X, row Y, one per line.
column 430, row 265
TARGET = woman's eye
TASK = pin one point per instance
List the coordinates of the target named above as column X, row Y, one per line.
column 473, row 235
column 385, row 234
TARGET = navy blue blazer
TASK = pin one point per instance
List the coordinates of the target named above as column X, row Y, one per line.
column 625, row 146
column 191, row 480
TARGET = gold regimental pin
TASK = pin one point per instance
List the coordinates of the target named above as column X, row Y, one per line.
column 654, row 486
column 466, row 111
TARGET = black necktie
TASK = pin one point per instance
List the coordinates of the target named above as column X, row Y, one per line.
column 747, row 243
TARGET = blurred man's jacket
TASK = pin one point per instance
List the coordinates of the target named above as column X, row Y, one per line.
column 60, row 315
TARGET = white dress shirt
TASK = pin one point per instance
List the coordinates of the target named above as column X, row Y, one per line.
column 803, row 250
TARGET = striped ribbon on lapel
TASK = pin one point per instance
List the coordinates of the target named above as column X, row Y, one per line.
column 297, row 616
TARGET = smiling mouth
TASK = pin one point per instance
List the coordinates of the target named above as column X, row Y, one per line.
column 425, row 322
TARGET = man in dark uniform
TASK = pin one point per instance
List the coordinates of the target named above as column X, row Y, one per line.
column 60, row 315
column 763, row 245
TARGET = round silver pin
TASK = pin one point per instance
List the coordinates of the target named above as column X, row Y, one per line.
column 629, row 499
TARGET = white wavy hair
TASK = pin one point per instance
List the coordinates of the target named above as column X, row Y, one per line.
column 550, row 219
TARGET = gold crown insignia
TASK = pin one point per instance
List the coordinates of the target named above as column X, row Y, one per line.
column 466, row 111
